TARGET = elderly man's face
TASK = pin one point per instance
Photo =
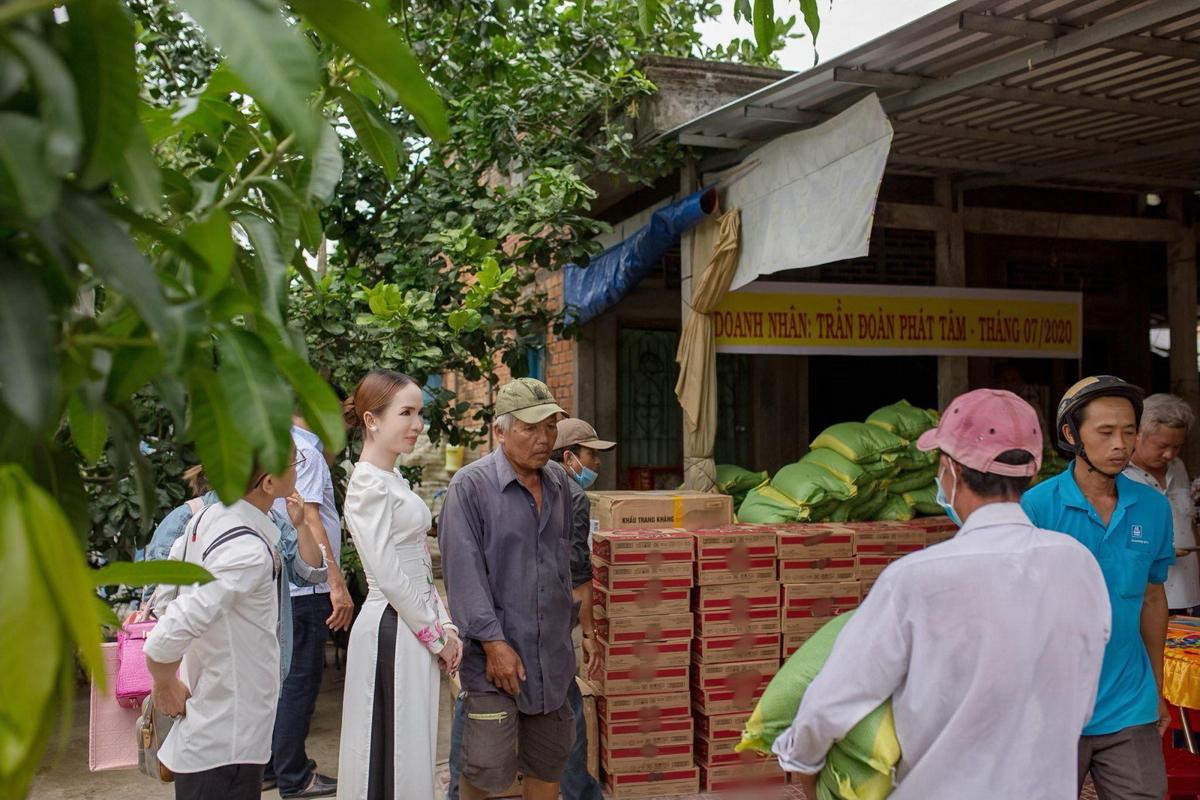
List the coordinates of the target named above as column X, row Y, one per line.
column 1158, row 449
column 528, row 446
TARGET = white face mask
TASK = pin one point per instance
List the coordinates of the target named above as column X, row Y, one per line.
column 948, row 503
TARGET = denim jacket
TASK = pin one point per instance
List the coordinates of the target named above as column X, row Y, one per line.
column 298, row 571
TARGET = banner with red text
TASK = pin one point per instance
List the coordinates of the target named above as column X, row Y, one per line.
column 853, row 319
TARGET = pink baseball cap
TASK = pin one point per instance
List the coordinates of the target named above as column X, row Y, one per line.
column 978, row 426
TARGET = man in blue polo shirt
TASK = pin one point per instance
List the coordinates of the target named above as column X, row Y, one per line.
column 1128, row 527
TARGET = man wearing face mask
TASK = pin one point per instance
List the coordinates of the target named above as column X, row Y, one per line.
column 989, row 645
column 1128, row 528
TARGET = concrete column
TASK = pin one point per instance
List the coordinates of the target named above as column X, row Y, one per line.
column 1181, row 315
column 689, row 182
column 951, row 265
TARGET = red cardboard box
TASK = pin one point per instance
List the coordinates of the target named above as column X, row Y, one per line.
column 642, row 679
column 661, row 732
column 628, row 786
column 739, row 647
column 623, row 630
column 647, row 710
column 673, row 653
column 647, row 757
column 655, row 598
column 710, row 702
column 648, row 547
column 628, row 576
column 730, row 622
column 816, row 570
column 764, row 594
column 722, row 726
column 742, row 776
column 869, row 568
column 735, row 543
column 808, row 540
column 753, row 569
column 612, row 511
column 886, row 538
column 803, row 602
column 723, row 752
column 744, row 676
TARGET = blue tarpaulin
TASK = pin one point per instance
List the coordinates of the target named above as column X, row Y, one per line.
column 590, row 291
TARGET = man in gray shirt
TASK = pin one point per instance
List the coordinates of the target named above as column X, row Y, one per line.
column 505, row 536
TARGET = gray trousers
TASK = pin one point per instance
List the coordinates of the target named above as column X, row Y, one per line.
column 1126, row 765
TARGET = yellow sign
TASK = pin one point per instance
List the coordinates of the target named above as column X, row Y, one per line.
column 847, row 319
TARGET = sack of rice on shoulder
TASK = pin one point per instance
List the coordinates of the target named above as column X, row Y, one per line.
column 858, row 767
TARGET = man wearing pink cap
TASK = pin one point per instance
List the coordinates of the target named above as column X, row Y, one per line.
column 989, row 645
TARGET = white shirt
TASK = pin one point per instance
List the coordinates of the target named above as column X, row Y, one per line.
column 226, row 633
column 314, row 484
column 1183, row 578
column 990, row 647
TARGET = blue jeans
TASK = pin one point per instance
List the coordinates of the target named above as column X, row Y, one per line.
column 576, row 784
column 298, row 696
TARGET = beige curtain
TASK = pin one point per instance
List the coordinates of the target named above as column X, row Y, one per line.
column 697, row 356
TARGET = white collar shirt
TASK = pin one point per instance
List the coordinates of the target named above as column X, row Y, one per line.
column 1183, row 578
column 225, row 631
column 314, row 484
column 989, row 646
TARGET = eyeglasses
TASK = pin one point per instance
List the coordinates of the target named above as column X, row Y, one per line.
column 299, row 460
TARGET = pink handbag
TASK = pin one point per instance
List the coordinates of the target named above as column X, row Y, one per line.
column 133, row 678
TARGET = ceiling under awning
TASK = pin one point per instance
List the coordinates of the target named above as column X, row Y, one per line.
column 1088, row 93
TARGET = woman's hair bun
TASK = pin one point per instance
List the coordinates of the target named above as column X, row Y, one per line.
column 350, row 414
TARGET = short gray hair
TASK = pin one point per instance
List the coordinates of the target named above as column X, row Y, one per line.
column 1168, row 410
column 504, row 422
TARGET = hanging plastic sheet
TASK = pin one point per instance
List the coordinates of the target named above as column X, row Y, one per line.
column 590, row 291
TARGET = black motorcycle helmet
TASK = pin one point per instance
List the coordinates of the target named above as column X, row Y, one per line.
column 1084, row 392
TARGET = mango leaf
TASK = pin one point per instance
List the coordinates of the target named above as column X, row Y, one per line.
column 268, row 55
column 139, row 175
column 144, row 573
column 89, row 429
column 286, row 209
column 263, row 402
column 310, row 229
column 57, row 100
column 26, row 184
column 223, row 450
column 326, row 166
column 377, row 137
column 272, row 268
column 648, row 13
column 27, row 336
column 212, row 239
column 382, row 50
column 764, row 24
column 319, row 405
column 101, row 56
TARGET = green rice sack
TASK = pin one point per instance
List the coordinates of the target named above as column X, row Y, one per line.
column 768, row 505
column 809, row 484
column 736, row 481
column 903, row 419
column 831, row 461
column 924, row 501
column 895, row 508
column 858, row 767
column 865, row 512
column 859, row 441
column 913, row 479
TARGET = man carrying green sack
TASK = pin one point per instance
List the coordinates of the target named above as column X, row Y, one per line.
column 989, row 645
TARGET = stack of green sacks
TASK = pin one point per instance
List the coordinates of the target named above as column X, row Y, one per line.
column 855, row 471
column 736, row 481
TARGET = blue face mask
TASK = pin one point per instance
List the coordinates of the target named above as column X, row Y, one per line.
column 585, row 477
column 947, row 503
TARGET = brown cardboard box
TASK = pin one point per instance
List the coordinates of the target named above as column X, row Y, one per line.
column 624, row 630
column 673, row 653
column 631, row 786
column 739, row 647
column 647, row 757
column 806, row 540
column 642, row 679
column 627, row 576
column 869, row 568
column 659, row 509
column 735, row 544
column 743, row 676
column 649, row 547
column 793, row 640
column 710, row 702
column 591, row 721
column 723, row 752
column 866, row 586
column 764, row 594
column 886, row 538
column 656, row 597
column 756, row 569
column 806, row 601
column 659, row 732
column 722, row 726
column 729, row 622
column 935, row 534
column 818, row 570
column 741, row 776
column 646, row 709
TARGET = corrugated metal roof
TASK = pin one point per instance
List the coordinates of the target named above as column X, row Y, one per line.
column 1077, row 92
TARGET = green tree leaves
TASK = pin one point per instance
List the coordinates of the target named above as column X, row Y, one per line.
column 262, row 403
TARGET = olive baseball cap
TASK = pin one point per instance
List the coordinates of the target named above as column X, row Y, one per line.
column 575, row 431
column 526, row 399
